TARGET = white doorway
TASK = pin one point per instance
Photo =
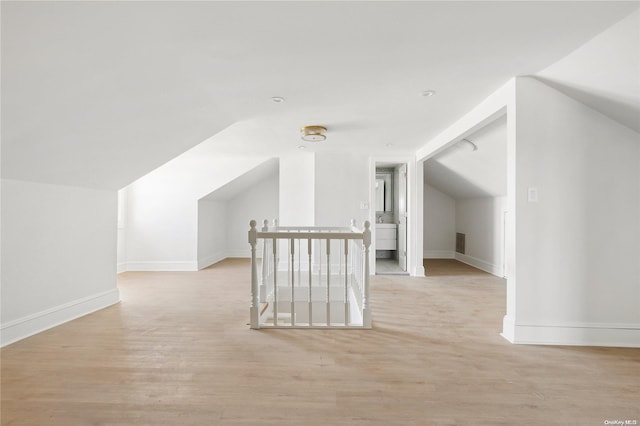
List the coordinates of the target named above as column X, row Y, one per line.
column 402, row 218
column 391, row 213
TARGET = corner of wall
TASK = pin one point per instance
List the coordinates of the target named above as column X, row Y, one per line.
column 207, row 261
column 480, row 264
column 160, row 266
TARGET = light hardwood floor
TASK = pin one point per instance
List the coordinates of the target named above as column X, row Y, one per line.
column 177, row 351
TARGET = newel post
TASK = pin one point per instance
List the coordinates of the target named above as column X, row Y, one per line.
column 366, row 240
column 253, row 310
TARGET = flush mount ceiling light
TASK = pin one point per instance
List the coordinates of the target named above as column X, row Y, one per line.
column 428, row 93
column 313, row 133
column 467, row 145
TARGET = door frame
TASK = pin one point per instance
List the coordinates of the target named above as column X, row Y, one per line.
column 414, row 211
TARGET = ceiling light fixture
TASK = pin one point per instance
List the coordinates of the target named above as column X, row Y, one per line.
column 428, row 93
column 277, row 99
column 467, row 145
column 313, row 133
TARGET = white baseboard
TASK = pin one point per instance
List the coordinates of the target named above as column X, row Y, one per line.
column 508, row 328
column 121, row 267
column 210, row 260
column 480, row 264
column 24, row 327
column 438, row 254
column 180, row 266
column 147, row 266
column 418, row 271
column 243, row 253
column 586, row 334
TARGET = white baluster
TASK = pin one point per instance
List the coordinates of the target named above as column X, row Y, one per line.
column 319, row 263
column 340, row 261
column 265, row 264
column 346, row 282
column 292, row 244
column 328, row 282
column 309, row 244
column 289, row 262
column 274, row 242
column 366, row 313
column 299, row 268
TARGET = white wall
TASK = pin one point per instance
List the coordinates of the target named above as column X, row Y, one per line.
column 161, row 227
column 439, row 228
column 482, row 222
column 341, row 185
column 297, row 189
column 573, row 261
column 212, row 232
column 162, row 210
column 58, row 255
column 121, row 251
column 577, row 255
column 324, row 188
column 258, row 202
column 223, row 223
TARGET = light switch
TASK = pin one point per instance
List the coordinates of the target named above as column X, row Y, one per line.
column 364, row 205
column 532, row 195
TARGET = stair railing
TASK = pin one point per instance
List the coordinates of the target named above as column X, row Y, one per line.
column 326, row 268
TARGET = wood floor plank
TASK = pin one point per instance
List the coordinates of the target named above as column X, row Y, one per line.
column 177, row 351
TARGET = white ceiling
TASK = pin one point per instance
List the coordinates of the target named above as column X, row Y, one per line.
column 461, row 173
column 98, row 94
column 604, row 73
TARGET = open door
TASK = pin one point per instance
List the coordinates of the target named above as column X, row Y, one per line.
column 402, row 217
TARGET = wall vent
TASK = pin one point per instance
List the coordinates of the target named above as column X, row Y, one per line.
column 460, row 238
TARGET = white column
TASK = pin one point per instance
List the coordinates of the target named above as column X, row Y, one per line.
column 253, row 310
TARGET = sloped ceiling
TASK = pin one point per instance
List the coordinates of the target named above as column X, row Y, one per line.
column 98, row 94
column 604, row 73
column 461, row 173
column 244, row 182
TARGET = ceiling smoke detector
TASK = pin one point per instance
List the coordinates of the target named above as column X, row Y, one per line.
column 313, row 133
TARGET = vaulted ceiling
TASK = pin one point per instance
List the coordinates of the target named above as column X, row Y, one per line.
column 604, row 73
column 97, row 94
column 463, row 173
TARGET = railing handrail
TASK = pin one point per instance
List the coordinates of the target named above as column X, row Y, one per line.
column 312, row 228
column 302, row 235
